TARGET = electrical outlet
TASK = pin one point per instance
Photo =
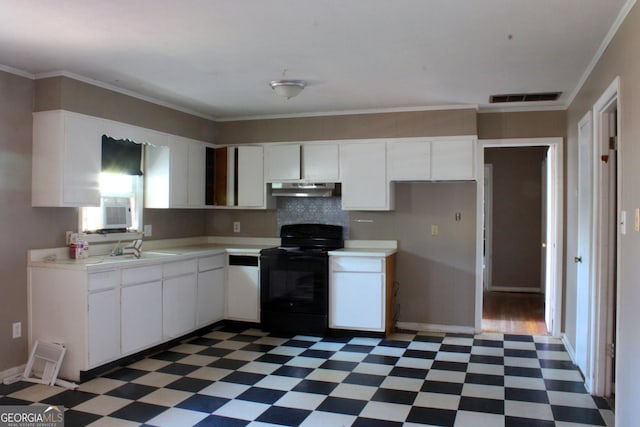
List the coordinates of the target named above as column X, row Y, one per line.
column 16, row 330
column 434, row 230
column 236, row 226
column 148, row 230
column 68, row 237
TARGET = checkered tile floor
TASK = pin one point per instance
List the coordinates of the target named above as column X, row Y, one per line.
column 233, row 377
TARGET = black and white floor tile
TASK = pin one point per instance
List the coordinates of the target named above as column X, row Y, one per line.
column 246, row 377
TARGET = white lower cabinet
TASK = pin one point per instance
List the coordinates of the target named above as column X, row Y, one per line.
column 104, row 326
column 141, row 316
column 361, row 293
column 179, row 298
column 141, row 307
column 243, row 288
column 357, row 301
column 210, row 293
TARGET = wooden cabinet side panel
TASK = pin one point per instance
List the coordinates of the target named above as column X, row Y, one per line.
column 390, row 291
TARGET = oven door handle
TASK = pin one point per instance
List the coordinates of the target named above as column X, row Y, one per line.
column 304, row 257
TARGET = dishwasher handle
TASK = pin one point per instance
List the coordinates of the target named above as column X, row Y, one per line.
column 244, row 260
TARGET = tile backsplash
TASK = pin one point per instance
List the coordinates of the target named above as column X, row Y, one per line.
column 316, row 210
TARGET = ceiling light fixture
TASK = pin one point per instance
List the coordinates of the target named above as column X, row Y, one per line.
column 288, row 88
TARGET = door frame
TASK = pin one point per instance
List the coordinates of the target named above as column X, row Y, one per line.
column 555, row 242
column 601, row 316
column 488, row 225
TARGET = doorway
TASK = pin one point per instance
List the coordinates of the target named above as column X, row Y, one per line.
column 552, row 251
column 609, row 222
column 514, row 239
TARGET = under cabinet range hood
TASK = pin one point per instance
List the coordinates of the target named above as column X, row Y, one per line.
column 304, row 189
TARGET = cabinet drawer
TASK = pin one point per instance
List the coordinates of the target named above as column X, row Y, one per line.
column 366, row 264
column 103, row 280
column 144, row 274
column 180, row 268
column 211, row 262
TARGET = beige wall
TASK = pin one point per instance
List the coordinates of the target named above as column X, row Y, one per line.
column 21, row 226
column 68, row 94
column 516, row 215
column 530, row 124
column 436, row 273
column 358, row 126
column 621, row 59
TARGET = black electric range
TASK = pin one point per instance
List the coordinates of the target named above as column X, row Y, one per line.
column 294, row 279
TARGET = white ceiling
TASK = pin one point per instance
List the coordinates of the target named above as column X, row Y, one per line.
column 217, row 57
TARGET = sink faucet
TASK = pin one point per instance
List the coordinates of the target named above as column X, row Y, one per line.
column 117, row 249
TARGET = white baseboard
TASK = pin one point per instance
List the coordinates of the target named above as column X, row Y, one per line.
column 431, row 327
column 11, row 372
column 569, row 347
column 514, row 289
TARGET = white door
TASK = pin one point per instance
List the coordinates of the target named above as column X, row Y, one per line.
column 210, row 297
column 178, row 305
column 104, row 326
column 141, row 316
column 582, row 257
column 243, row 293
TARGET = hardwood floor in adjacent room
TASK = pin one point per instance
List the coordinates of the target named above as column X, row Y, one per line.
column 514, row 313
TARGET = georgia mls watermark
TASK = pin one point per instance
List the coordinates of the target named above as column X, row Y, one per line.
column 31, row 416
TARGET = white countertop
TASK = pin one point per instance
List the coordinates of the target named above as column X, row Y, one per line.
column 181, row 249
column 364, row 248
column 153, row 252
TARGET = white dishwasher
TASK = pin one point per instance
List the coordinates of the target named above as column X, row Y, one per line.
column 243, row 287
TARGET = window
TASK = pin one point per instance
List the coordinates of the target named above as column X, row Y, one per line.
column 113, row 185
column 121, row 189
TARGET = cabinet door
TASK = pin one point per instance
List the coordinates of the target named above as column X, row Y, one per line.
column 453, row 159
column 243, row 294
column 82, row 164
column 357, row 301
column 210, row 298
column 364, row 180
column 141, row 315
column 251, row 187
column 320, row 162
column 282, row 162
column 178, row 305
column 196, row 184
column 178, row 172
column 104, row 326
column 157, row 162
column 409, row 161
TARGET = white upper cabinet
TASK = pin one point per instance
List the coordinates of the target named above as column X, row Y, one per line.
column 453, row 159
column 175, row 174
column 364, row 179
column 409, row 160
column 281, row 162
column 310, row 162
column 320, row 162
column 251, row 186
column 66, row 159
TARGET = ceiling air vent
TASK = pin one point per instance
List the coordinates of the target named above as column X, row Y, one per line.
column 525, row 97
